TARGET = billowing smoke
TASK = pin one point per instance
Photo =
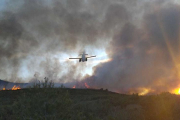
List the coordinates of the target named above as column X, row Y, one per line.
column 35, row 35
column 144, row 56
column 142, row 36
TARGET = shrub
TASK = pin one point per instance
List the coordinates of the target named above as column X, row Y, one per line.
column 45, row 84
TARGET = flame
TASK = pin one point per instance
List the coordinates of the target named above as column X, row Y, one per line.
column 86, row 85
column 3, row 88
column 74, row 86
column 176, row 91
column 15, row 88
column 144, row 92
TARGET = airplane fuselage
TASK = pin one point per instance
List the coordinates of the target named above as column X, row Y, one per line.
column 83, row 57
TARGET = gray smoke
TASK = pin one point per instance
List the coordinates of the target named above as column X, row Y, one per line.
column 32, row 31
column 143, row 41
column 144, row 56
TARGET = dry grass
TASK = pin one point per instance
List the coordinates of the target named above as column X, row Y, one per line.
column 86, row 104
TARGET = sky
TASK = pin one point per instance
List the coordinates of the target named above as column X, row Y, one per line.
column 136, row 43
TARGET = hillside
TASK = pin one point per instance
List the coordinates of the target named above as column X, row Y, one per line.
column 86, row 104
column 9, row 85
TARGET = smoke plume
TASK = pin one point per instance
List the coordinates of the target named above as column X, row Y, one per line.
column 144, row 57
column 37, row 37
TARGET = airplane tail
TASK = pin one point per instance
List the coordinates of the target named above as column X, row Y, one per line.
column 82, row 54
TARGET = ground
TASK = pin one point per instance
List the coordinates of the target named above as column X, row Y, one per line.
column 86, row 104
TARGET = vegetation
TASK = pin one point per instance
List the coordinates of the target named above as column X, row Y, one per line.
column 85, row 104
column 44, row 84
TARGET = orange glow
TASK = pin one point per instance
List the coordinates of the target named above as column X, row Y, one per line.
column 74, row 86
column 86, row 85
column 105, row 60
column 176, row 91
column 15, row 88
column 179, row 91
column 144, row 92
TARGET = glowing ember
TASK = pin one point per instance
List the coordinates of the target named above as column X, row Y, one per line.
column 86, row 85
column 74, row 86
column 15, row 88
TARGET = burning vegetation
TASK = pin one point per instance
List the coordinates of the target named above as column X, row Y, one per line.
column 176, row 91
column 81, row 85
column 13, row 88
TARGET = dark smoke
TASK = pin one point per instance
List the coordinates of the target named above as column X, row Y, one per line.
column 144, row 56
column 143, row 39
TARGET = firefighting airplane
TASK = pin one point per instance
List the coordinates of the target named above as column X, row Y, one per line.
column 83, row 58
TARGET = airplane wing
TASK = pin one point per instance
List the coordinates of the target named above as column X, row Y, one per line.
column 74, row 58
column 91, row 56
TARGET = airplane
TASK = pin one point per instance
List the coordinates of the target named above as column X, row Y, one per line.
column 83, row 58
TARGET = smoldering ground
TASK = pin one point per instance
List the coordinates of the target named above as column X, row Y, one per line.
column 143, row 42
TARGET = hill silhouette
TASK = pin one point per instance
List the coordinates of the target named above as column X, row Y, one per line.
column 9, row 85
column 86, row 104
